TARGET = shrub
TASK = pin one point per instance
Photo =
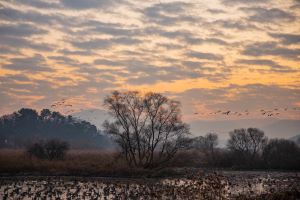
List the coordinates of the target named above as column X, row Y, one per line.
column 281, row 154
column 37, row 150
column 50, row 150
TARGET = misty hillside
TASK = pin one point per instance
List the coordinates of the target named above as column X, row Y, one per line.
column 26, row 126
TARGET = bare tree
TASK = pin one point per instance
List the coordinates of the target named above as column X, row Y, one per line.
column 210, row 142
column 206, row 144
column 247, row 143
column 147, row 127
column 50, row 150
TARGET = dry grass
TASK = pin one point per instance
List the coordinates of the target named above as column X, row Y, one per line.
column 89, row 163
column 203, row 185
column 83, row 163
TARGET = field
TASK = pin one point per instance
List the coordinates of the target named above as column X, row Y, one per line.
column 87, row 163
column 202, row 185
column 105, row 175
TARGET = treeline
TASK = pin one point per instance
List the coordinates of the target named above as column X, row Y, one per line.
column 150, row 134
column 245, row 149
column 27, row 126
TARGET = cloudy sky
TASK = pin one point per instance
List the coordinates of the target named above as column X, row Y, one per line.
column 238, row 55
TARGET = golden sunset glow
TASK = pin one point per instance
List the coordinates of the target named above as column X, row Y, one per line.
column 210, row 55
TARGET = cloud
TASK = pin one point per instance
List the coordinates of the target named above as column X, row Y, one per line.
column 194, row 64
column 92, row 44
column 39, row 4
column 20, row 30
column 182, row 35
column 76, row 52
column 34, row 64
column 275, row 67
column 113, row 29
column 14, row 78
column 286, row 38
column 241, row 97
column 108, row 62
column 105, row 43
column 215, row 11
column 296, row 6
column 236, row 2
column 271, row 15
column 167, row 14
column 205, row 56
column 240, row 25
column 17, row 43
column 161, row 74
column 42, row 18
column 270, row 49
column 140, row 72
column 64, row 60
column 89, row 4
column 7, row 50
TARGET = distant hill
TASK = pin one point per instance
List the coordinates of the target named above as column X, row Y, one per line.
column 296, row 139
column 26, row 126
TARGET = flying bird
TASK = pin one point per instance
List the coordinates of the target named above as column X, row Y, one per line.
column 226, row 113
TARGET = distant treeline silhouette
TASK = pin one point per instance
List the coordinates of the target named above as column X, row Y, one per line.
column 150, row 133
column 246, row 149
column 26, row 126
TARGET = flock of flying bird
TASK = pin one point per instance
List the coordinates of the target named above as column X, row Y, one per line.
column 263, row 112
column 64, row 104
column 68, row 108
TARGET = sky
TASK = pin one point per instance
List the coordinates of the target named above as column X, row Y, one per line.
column 237, row 55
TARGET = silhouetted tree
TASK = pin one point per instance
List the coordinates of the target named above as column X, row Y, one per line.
column 147, row 127
column 246, row 145
column 281, row 154
column 50, row 150
column 25, row 126
column 37, row 150
column 45, row 114
column 206, row 144
column 55, row 149
column 210, row 141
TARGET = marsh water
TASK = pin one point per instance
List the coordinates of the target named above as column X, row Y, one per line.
column 201, row 185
